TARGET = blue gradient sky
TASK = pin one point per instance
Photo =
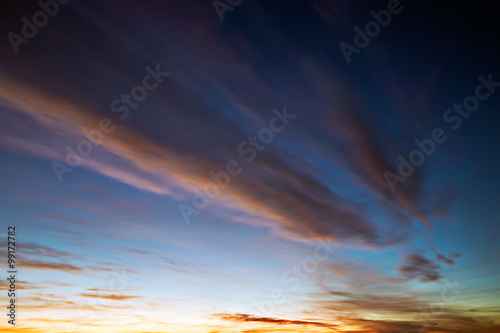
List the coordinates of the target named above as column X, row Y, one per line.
column 107, row 248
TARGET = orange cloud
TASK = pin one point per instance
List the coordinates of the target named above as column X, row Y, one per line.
column 35, row 264
column 239, row 317
column 112, row 297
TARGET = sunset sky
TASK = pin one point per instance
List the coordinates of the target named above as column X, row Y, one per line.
column 252, row 183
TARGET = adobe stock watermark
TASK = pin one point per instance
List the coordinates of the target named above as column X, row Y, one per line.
column 95, row 136
column 221, row 7
column 248, row 149
column 372, row 29
column 426, row 312
column 293, row 277
column 29, row 30
column 455, row 116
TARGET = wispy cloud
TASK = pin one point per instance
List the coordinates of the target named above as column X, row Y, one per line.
column 267, row 320
column 43, row 265
column 112, row 297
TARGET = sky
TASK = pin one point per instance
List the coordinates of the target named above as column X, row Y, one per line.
column 249, row 166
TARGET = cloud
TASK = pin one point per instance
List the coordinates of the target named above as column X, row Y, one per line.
column 444, row 259
column 267, row 320
column 151, row 151
column 42, row 265
column 386, row 302
column 42, row 251
column 21, row 284
column 360, row 272
column 416, row 266
column 437, row 322
column 112, row 297
column 67, row 268
column 296, row 201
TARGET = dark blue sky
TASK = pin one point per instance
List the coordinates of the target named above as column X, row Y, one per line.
column 204, row 161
